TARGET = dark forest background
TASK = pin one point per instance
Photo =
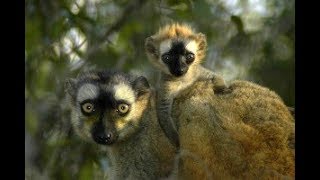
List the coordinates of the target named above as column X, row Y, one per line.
column 248, row 39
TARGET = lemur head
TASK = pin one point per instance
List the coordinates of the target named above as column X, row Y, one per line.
column 107, row 107
column 175, row 48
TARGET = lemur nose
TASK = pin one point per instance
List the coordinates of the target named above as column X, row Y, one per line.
column 182, row 70
column 106, row 138
column 102, row 138
column 109, row 137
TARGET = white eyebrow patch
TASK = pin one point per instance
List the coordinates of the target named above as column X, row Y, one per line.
column 192, row 46
column 124, row 92
column 87, row 91
column 165, row 46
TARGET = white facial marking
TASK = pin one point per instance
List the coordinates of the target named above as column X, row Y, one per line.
column 87, row 91
column 165, row 46
column 192, row 46
column 124, row 92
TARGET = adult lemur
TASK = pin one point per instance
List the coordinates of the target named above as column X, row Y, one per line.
column 178, row 51
column 117, row 110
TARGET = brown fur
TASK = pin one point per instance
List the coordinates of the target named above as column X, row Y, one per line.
column 141, row 150
column 247, row 134
column 148, row 152
column 171, row 31
column 174, row 30
column 171, row 83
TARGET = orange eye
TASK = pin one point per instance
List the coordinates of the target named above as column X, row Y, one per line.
column 123, row 108
column 88, row 107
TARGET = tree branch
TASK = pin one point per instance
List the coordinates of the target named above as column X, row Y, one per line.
column 131, row 7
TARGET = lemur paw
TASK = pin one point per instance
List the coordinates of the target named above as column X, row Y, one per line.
column 219, row 86
column 221, row 89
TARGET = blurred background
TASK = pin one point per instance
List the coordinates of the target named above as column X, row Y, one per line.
column 248, row 39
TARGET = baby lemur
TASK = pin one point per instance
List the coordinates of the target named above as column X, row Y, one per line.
column 177, row 51
column 117, row 110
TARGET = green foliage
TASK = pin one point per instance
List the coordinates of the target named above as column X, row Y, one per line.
column 65, row 37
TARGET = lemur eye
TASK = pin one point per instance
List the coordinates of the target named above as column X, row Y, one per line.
column 123, row 108
column 88, row 107
column 166, row 57
column 190, row 58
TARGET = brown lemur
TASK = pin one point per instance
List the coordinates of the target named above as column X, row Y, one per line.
column 117, row 110
column 248, row 133
column 177, row 51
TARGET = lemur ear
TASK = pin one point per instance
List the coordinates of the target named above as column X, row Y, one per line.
column 141, row 86
column 202, row 41
column 202, row 45
column 150, row 47
column 70, row 86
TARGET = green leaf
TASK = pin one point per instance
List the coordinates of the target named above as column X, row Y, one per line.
column 180, row 6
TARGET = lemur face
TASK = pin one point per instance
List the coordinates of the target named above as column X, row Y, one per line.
column 175, row 48
column 177, row 55
column 107, row 107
